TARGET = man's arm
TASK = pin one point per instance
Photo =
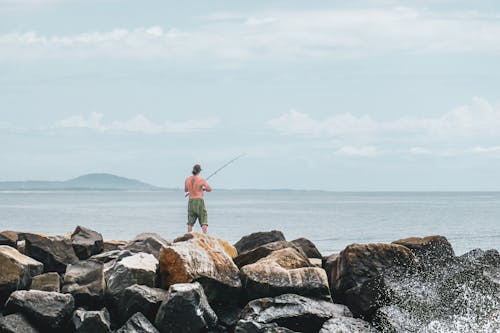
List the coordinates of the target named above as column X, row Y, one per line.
column 186, row 186
column 207, row 186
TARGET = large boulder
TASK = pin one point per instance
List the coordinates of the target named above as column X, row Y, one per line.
column 139, row 298
column 86, row 242
column 308, row 247
column 228, row 248
column 110, row 258
column 257, row 239
column 347, row 325
column 254, row 255
column 16, row 271
column 294, row 312
column 54, row 252
column 47, row 310
column 356, row 275
column 185, row 309
column 429, row 250
column 16, row 323
column 47, row 282
column 147, row 242
column 138, row 323
column 112, row 245
column 9, row 238
column 91, row 321
column 204, row 260
column 139, row 268
column 283, row 272
column 85, row 281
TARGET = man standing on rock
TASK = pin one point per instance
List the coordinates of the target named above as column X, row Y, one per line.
column 196, row 185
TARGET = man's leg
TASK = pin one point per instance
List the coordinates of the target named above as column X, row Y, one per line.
column 204, row 218
column 204, row 227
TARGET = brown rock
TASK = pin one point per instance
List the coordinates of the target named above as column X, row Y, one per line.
column 308, row 247
column 254, row 255
column 54, row 252
column 228, row 248
column 112, row 245
column 430, row 249
column 47, row 282
column 9, row 238
column 257, row 239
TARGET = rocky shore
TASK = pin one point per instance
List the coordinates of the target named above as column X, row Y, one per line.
column 262, row 283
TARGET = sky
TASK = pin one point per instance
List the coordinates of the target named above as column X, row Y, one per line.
column 355, row 95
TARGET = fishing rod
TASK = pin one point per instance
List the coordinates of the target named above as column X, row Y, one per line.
column 222, row 167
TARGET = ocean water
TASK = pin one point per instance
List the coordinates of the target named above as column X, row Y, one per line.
column 332, row 220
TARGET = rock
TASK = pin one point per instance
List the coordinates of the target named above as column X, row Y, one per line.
column 294, row 312
column 54, row 252
column 246, row 326
column 85, row 281
column 228, row 248
column 308, row 247
column 481, row 257
column 282, row 272
column 356, row 276
column 228, row 314
column 347, row 325
column 201, row 259
column 47, row 282
column 139, row 298
column 429, row 250
column 91, row 321
column 86, row 242
column 254, row 255
column 316, row 262
column 111, row 256
column 16, row 271
column 47, row 310
column 112, row 245
column 16, row 323
column 257, row 239
column 148, row 243
column 186, row 309
column 139, row 268
column 138, row 323
column 9, row 238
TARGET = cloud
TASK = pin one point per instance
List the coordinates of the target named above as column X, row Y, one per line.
column 367, row 151
column 277, row 35
column 138, row 124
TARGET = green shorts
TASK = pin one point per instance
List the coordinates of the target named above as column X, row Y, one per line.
column 197, row 210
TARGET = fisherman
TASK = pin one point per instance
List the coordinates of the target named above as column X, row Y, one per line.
column 196, row 185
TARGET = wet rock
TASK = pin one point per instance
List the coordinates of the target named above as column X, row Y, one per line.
column 9, row 238
column 257, row 239
column 86, row 242
column 148, row 243
column 481, row 257
column 16, row 323
column 85, row 281
column 246, row 326
column 139, row 268
column 91, row 321
column 347, row 325
column 16, row 271
column 284, row 271
column 203, row 260
column 429, row 250
column 112, row 245
column 308, row 247
column 294, row 312
column 47, row 282
column 139, row 298
column 47, row 310
column 186, row 309
column 228, row 248
column 254, row 255
column 356, row 276
column 54, row 252
column 138, row 323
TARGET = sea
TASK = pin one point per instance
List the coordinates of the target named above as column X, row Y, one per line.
column 332, row 220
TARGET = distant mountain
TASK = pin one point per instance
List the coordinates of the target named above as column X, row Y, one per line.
column 93, row 181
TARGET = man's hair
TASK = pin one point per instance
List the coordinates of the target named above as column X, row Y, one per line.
column 196, row 169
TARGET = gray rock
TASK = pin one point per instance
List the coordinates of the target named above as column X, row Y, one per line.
column 245, row 326
column 347, row 325
column 430, row 250
column 148, row 243
column 9, row 238
column 257, row 239
column 308, row 247
column 16, row 323
column 113, row 245
column 16, row 272
column 254, row 255
column 91, row 321
column 138, row 323
column 109, row 259
column 86, row 242
column 139, row 268
column 54, row 252
column 139, row 298
column 186, row 309
column 45, row 309
column 47, row 282
column 294, row 312
column 85, row 281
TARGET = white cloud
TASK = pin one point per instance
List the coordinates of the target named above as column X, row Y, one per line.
column 139, row 124
column 278, row 35
column 484, row 150
column 367, row 151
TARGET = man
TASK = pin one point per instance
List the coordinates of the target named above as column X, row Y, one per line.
column 196, row 185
